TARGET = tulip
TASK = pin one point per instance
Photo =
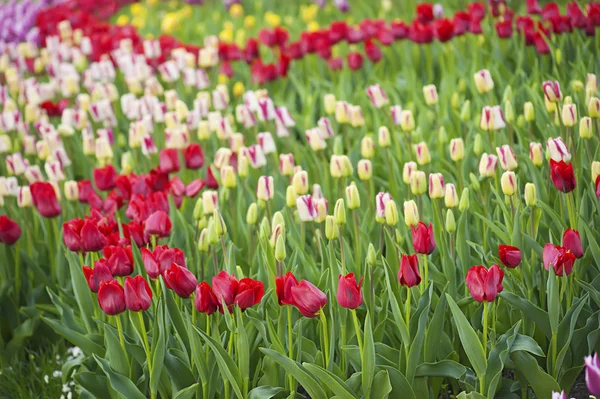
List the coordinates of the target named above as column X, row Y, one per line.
column 286, row 164
column 283, row 288
column 563, row 176
column 506, row 155
column 339, row 212
column 308, row 299
column 536, row 153
column 367, row 147
column 465, row 111
column 485, row 284
column 96, row 276
column 119, row 260
column 594, row 107
column 411, row 213
column 44, row 198
column 381, row 199
column 193, row 156
column 209, row 202
column 352, row 197
column 430, row 94
column 436, row 185
column 585, row 128
column 264, row 189
column 569, row 115
column 487, row 119
column 457, row 149
column 300, row 182
column 559, row 395
column 306, row 208
column 508, row 182
column 423, row 238
column 10, row 231
column 509, row 256
column 249, row 293
column 407, row 171
column 329, row 103
column 529, row 111
column 228, row 177
column 349, row 294
column 225, row 287
column 111, row 297
column 560, row 258
column 322, row 207
column 592, row 374
column 89, row 236
column 487, row 165
column 530, row 195
column 552, row 91
column 418, row 182
column 180, row 280
column 169, row 160
column 408, row 274
column 407, row 122
column 391, row 213
column 377, row 96
column 572, row 242
column 383, row 139
column 483, row 81
column 364, row 169
column 464, row 203
column 105, row 178
column 158, row 224
column 205, row 299
column 450, row 196
column 595, row 170
column 138, row 295
column 422, row 151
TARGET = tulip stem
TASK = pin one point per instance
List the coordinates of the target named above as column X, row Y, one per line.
column 426, row 273
column 18, row 270
column 325, row 337
column 147, row 348
column 357, row 248
column 571, row 209
column 290, row 345
column 120, row 329
column 302, row 234
column 224, row 253
column 358, row 336
column 485, row 338
column 342, row 256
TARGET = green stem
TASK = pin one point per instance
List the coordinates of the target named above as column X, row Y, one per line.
column 357, row 244
column 358, row 336
column 229, row 351
column 290, row 346
column 325, row 337
column 485, row 333
column 148, row 351
column 17, row 271
column 342, row 256
column 426, row 273
column 120, row 329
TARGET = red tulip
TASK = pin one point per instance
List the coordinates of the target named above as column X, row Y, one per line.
column 533, row 7
column 476, row 10
column 284, row 285
column 485, row 285
column 158, row 224
column 105, row 178
column 560, row 258
column 193, row 156
column 541, row 45
column 205, row 300
column 504, row 29
column 85, row 188
column 563, row 176
column 423, row 238
column 598, row 187
column 225, row 287
column 335, row 63
column 96, row 276
column 138, row 295
column 509, row 256
column 119, row 259
column 399, row 29
column 572, row 242
column 408, row 274
column 169, row 160
column 91, row 238
column 349, row 295
column 180, row 280
column 425, row 12
column 308, row 299
column 111, row 297
column 444, row 29
column 355, row 61
column 249, row 293
column 372, row 51
column 135, row 231
column 44, row 199
column 9, row 230
column 211, row 181
column 420, row 33
column 150, row 263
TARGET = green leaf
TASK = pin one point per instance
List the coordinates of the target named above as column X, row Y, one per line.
column 414, row 354
column 115, row 353
column 313, row 388
column 470, row 395
column 432, row 340
column 330, row 380
column 381, row 385
column 443, row 368
column 368, row 361
column 264, row 392
column 187, row 393
column 469, row 339
column 497, row 360
column 400, row 386
column 400, row 323
column 243, row 350
column 226, row 364
column 176, row 317
column 118, row 382
column 553, row 301
column 158, row 347
column 178, row 369
column 87, row 346
column 501, row 234
column 541, row 383
column 527, row 344
column 94, row 383
column 539, row 316
column 82, row 292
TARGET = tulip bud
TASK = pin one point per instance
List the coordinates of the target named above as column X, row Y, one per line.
column 384, row 139
column 228, row 176
column 528, row 111
column 365, row 170
column 213, row 238
column 286, row 164
column 321, row 210
column 595, row 171
column 367, row 147
column 442, row 135
column 430, row 94
column 465, row 111
column 335, row 166
column 203, row 243
column 418, row 182
column 252, row 214
column 483, row 81
column 569, row 115
column 411, row 213
column 198, row 209
column 352, row 197
column 407, row 171
column 450, row 196
column 450, row 222
column 209, row 201
column 509, row 114
column 71, row 190
column 342, row 110
column 24, row 199
column 568, row 100
column 277, row 220
column 550, row 106
column 300, row 182
column 422, row 151
column 280, row 248
column 339, row 212
column 557, row 150
column 264, row 189
column 436, row 185
column 290, row 197
column 585, row 128
column 330, row 103
column 506, row 155
column 487, row 165
column 552, row 91
column 203, row 132
column 243, row 165
column 594, row 107
column 332, row 230
column 530, row 195
column 457, row 149
column 391, row 213
column 219, row 224
column 407, row 122
column 508, row 183
column 455, row 101
column 477, row 145
column 264, row 230
column 474, row 182
column 464, row 203
column 536, row 153
column 371, row 255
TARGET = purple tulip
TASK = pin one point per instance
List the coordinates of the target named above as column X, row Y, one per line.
column 342, row 5
column 592, row 374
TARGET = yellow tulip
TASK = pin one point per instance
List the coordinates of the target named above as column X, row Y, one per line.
column 236, row 10
column 122, row 20
column 249, row 21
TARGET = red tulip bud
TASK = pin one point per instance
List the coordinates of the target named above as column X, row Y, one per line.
column 225, row 287
column 169, row 160
column 111, row 297
column 44, row 199
column 205, row 300
column 138, row 295
column 485, row 285
column 9, row 230
column 105, row 178
column 284, row 285
column 180, row 280
column 308, row 299
column 92, row 239
column 423, row 238
column 509, row 256
column 193, row 156
column 563, row 176
column 119, row 259
column 349, row 295
column 158, row 224
column 96, row 276
column 572, row 242
column 408, row 274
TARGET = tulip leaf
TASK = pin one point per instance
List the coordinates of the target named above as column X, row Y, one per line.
column 401, row 388
column 243, row 350
column 470, row 395
column 527, row 344
column 539, row 316
column 175, row 316
column 118, row 382
column 158, row 346
column 115, row 353
column 566, row 328
column 553, row 301
column 368, row 360
column 497, row 360
column 416, row 346
column 95, row 383
column 88, row 346
column 198, row 354
column 178, row 369
column 330, row 380
column 264, row 392
column 187, row 393
column 400, row 323
column 432, row 340
column 470, row 341
column 226, row 364
column 593, row 244
column 312, row 387
column 443, row 368
column 541, row 383
column 502, row 235
column 82, row 292
column 381, row 386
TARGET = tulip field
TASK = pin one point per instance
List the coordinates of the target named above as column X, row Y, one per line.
column 299, row 199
